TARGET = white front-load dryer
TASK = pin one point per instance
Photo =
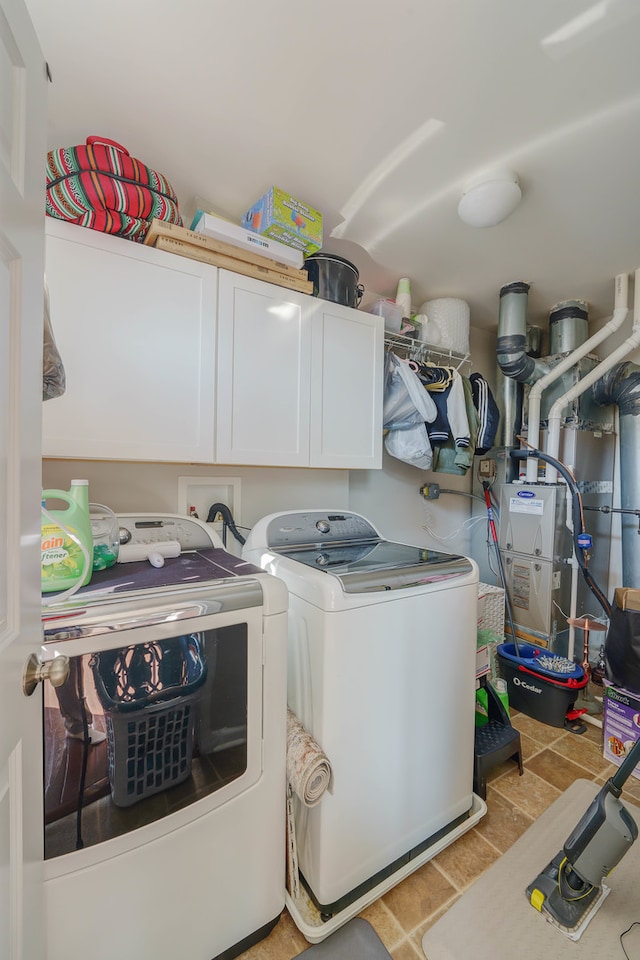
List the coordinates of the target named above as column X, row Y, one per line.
column 381, row 672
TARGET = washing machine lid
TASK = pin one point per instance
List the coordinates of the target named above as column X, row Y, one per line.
column 346, row 546
column 380, row 564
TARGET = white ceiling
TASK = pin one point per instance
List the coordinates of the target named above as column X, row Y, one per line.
column 377, row 112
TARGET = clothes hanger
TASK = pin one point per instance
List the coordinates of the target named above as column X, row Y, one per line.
column 410, row 363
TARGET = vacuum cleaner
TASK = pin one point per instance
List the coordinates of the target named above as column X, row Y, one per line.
column 570, row 889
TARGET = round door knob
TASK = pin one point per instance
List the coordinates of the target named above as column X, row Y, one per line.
column 56, row 671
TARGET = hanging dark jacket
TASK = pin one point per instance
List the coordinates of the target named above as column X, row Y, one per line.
column 488, row 413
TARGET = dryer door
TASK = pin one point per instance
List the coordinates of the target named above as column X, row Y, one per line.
column 142, row 730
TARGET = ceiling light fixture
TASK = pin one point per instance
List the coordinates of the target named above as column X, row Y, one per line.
column 490, row 198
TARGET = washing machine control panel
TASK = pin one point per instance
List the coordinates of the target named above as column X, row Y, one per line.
column 316, row 527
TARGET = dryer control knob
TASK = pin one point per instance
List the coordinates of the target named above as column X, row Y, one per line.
column 323, row 526
column 322, row 559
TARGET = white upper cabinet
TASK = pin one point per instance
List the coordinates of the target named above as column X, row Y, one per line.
column 299, row 379
column 264, row 347
column 135, row 328
column 170, row 359
column 346, row 387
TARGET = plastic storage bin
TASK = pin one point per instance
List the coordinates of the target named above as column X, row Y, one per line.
column 490, row 622
column 148, row 692
column 391, row 312
column 541, row 694
column 491, row 608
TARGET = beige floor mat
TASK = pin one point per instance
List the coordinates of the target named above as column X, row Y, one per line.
column 493, row 920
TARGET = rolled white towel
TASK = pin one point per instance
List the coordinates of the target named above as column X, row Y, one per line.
column 308, row 767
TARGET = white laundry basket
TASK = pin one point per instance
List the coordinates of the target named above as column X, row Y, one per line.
column 451, row 318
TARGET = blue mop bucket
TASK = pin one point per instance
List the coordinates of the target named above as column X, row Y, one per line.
column 535, row 688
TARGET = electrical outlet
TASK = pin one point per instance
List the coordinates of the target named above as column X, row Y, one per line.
column 430, row 491
column 487, row 468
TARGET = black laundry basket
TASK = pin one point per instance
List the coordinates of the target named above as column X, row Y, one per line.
column 148, row 692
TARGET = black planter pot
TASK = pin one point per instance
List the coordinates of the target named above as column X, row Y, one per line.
column 334, row 278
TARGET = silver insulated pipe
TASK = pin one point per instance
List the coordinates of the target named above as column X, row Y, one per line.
column 513, row 359
column 568, row 326
column 621, row 385
column 515, row 365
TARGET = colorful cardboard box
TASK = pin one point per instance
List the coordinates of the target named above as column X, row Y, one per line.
column 620, row 724
column 218, row 229
column 283, row 218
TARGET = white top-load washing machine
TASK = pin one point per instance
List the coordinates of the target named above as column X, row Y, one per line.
column 381, row 672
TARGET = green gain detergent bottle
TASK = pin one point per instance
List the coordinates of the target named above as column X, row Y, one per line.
column 63, row 563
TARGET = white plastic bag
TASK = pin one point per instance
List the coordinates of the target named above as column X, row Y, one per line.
column 406, row 401
column 411, row 445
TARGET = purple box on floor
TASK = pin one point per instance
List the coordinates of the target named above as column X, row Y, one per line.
column 620, row 724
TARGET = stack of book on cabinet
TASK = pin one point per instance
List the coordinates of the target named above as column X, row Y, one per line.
column 220, row 253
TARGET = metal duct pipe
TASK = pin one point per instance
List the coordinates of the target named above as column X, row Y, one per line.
column 510, row 404
column 535, row 394
column 513, row 359
column 568, row 326
column 630, row 344
column 534, row 341
column 621, row 385
column 509, row 400
column 515, row 366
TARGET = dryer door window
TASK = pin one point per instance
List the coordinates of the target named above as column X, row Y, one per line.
column 167, row 724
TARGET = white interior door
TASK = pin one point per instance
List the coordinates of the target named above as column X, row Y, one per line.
column 22, row 163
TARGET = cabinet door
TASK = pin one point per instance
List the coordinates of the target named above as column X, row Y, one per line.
column 346, row 396
column 135, row 328
column 264, row 350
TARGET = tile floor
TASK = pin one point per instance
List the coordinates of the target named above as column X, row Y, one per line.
column 553, row 759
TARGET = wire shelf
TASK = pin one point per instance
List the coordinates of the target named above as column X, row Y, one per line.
column 419, row 351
